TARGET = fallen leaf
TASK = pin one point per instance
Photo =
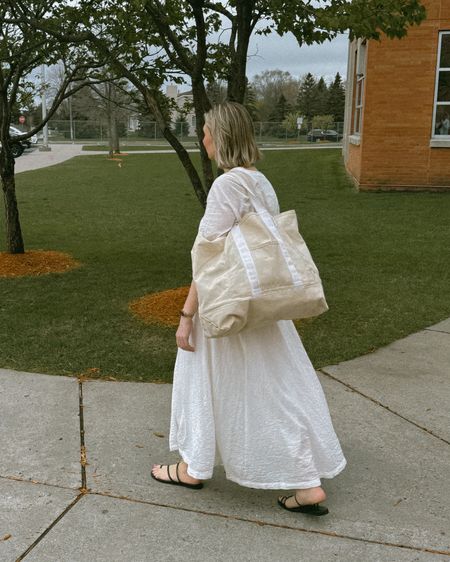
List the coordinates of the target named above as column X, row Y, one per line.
column 6, row 537
column 158, row 434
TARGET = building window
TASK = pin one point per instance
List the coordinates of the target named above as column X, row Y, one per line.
column 360, row 75
column 441, row 113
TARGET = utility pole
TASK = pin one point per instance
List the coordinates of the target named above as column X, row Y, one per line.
column 44, row 147
column 71, row 120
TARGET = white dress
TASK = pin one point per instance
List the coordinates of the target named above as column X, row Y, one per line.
column 251, row 401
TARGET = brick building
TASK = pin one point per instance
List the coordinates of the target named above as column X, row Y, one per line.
column 397, row 115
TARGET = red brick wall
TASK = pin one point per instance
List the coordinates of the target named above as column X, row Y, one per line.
column 395, row 148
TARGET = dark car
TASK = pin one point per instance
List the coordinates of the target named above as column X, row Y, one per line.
column 323, row 134
column 17, row 149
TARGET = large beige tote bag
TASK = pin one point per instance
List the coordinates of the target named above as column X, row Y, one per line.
column 260, row 272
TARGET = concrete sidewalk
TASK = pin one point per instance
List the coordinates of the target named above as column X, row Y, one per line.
column 76, row 456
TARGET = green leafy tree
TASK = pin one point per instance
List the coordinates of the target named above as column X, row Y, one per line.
column 322, row 122
column 24, row 49
column 269, row 86
column 148, row 41
column 290, row 121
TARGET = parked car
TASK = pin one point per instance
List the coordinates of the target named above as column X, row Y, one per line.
column 14, row 131
column 18, row 147
column 323, row 134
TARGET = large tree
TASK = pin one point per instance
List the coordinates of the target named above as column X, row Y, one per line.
column 270, row 86
column 22, row 50
column 321, row 96
column 148, row 40
column 306, row 99
column 336, row 99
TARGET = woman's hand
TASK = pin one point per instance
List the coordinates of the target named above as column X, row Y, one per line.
column 184, row 331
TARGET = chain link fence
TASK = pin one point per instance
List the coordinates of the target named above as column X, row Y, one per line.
column 148, row 132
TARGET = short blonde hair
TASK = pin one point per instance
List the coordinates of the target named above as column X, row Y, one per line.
column 231, row 129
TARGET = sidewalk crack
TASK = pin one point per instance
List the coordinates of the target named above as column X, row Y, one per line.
column 378, row 403
column 83, row 454
column 49, row 528
column 261, row 523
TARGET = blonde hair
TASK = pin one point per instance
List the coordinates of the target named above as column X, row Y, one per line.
column 231, row 129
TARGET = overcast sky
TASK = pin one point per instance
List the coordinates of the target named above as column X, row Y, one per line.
column 270, row 52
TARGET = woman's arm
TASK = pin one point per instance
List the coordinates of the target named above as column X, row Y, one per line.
column 186, row 324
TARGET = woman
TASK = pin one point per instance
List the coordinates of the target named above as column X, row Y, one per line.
column 254, row 397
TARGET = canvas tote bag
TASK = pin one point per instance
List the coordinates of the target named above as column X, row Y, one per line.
column 260, row 272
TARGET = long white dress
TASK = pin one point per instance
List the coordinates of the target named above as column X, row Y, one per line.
column 251, row 401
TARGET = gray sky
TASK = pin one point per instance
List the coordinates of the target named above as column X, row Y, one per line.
column 272, row 51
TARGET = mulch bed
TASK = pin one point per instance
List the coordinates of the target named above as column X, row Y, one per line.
column 36, row 262
column 161, row 308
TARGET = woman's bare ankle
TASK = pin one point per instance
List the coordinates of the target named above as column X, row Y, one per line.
column 310, row 495
column 186, row 477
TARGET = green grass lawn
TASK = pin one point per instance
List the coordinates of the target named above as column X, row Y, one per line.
column 383, row 258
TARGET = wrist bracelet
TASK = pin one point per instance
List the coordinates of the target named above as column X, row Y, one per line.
column 186, row 315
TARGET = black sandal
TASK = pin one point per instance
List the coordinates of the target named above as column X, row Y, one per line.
column 176, row 482
column 312, row 509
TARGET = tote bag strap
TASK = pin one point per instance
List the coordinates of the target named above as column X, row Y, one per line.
column 270, row 224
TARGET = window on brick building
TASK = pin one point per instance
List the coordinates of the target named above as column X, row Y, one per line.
column 441, row 113
column 359, row 81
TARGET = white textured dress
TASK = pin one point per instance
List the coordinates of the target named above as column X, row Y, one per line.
column 251, row 401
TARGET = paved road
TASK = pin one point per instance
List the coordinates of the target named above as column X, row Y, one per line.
column 75, row 481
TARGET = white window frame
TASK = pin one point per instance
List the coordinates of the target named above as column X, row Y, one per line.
column 434, row 136
column 361, row 55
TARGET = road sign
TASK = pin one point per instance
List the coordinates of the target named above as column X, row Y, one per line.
column 22, row 119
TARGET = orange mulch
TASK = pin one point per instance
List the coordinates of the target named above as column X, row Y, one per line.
column 163, row 308
column 36, row 262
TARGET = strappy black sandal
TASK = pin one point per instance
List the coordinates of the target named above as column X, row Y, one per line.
column 312, row 509
column 176, row 482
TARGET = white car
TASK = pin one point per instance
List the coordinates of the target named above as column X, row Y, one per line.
column 14, row 131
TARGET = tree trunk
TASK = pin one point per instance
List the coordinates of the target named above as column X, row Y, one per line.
column 14, row 239
column 236, row 79
column 115, row 134
column 201, row 106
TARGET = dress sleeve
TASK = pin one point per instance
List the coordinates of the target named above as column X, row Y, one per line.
column 224, row 207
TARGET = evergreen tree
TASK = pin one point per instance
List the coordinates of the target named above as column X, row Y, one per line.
column 306, row 99
column 336, row 99
column 321, row 103
column 281, row 109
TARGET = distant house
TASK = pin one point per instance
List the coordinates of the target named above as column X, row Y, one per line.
column 184, row 104
column 397, row 114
